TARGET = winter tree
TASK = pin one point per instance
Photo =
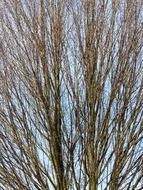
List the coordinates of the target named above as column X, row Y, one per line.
column 71, row 95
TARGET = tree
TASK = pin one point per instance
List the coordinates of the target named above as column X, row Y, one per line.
column 71, row 95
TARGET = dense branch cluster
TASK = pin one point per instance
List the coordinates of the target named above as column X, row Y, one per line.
column 71, row 95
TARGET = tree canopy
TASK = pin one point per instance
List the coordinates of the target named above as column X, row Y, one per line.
column 71, row 95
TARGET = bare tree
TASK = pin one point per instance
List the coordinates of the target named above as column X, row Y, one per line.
column 71, row 95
